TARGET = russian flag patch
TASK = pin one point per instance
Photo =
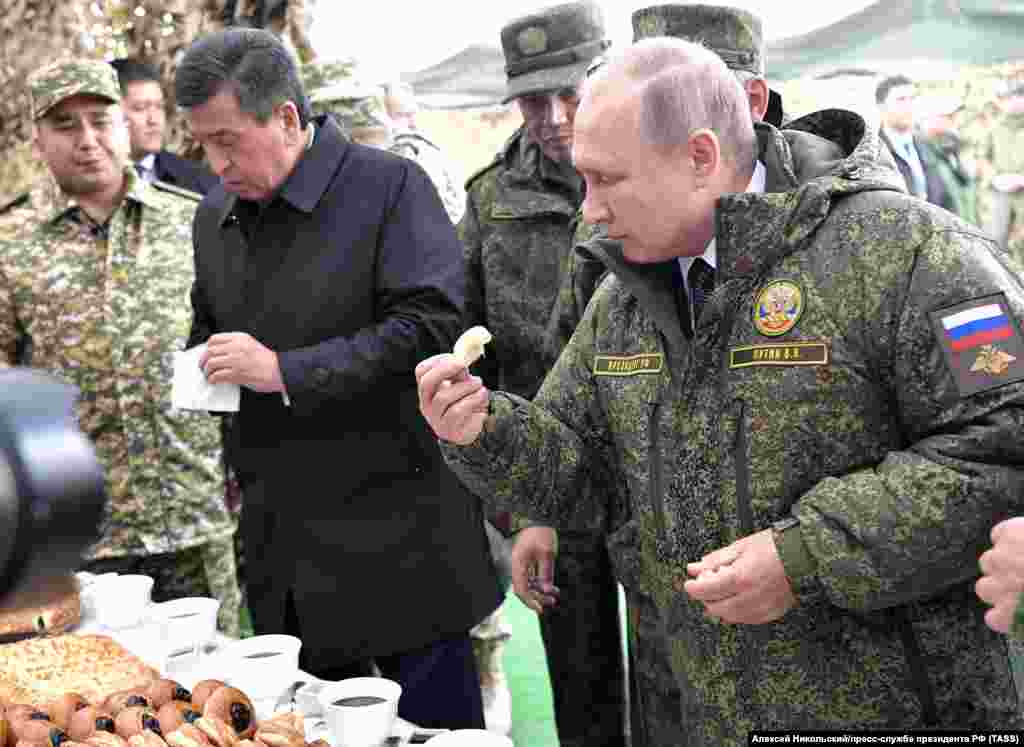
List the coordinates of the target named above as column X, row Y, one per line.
column 981, row 343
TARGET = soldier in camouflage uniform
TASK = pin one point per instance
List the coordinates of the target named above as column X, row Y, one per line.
column 517, row 234
column 28, row 209
column 1003, row 200
column 811, row 469
column 98, row 293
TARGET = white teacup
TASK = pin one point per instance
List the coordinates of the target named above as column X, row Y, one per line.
column 470, row 738
column 263, row 667
column 185, row 624
column 120, row 601
column 360, row 711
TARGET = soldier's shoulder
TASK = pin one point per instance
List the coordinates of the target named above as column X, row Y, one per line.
column 492, row 169
column 180, row 192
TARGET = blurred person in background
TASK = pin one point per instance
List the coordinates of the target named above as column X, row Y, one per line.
column 517, row 235
column 142, row 96
column 97, row 292
column 1003, row 170
column 942, row 154
column 896, row 97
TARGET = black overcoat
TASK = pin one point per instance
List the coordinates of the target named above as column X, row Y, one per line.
column 352, row 274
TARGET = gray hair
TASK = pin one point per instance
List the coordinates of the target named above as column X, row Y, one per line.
column 684, row 87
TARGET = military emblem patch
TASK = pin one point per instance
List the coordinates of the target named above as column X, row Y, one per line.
column 778, row 308
column 981, row 343
column 532, row 40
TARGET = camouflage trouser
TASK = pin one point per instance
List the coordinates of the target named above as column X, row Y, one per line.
column 582, row 637
column 488, row 638
column 201, row 571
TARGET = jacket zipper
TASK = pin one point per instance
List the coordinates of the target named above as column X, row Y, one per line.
column 655, row 467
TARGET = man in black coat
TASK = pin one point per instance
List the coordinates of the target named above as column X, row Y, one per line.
column 324, row 271
column 142, row 98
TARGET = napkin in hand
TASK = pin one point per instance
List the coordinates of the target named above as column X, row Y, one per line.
column 191, row 391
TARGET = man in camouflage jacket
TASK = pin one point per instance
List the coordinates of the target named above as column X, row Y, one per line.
column 102, row 301
column 517, row 236
column 811, row 474
column 1002, row 163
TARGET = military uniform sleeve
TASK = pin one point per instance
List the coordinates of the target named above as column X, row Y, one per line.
column 915, row 523
column 471, row 234
column 536, row 458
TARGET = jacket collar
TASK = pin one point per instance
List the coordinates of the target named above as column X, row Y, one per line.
column 529, row 169
column 312, row 174
column 60, row 203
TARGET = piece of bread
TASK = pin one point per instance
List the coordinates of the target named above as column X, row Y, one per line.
column 470, row 345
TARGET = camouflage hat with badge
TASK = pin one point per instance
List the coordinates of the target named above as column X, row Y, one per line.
column 733, row 34
column 552, row 48
column 335, row 87
column 51, row 84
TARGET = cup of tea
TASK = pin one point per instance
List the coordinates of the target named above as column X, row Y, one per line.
column 360, row 711
column 263, row 667
column 185, row 625
column 470, row 738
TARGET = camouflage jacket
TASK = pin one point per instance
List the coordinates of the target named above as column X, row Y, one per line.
column 28, row 210
column 441, row 171
column 516, row 234
column 844, row 407
column 107, row 315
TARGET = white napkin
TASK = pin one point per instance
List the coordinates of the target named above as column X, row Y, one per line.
column 191, row 391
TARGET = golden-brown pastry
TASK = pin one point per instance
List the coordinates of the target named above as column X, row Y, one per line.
column 39, row 731
column 187, row 735
column 135, row 720
column 203, row 690
column 164, row 691
column 282, row 731
column 19, row 712
column 87, row 721
column 217, row 732
column 233, row 707
column 174, row 714
column 319, row 743
column 288, row 719
column 62, row 709
column 134, row 698
column 4, row 728
column 147, row 739
column 106, row 739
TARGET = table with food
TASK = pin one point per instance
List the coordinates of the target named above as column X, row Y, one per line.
column 68, row 678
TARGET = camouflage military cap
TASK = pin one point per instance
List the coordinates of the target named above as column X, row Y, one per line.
column 552, row 48
column 50, row 85
column 734, row 34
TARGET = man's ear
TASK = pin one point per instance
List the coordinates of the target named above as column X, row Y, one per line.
column 290, row 121
column 705, row 155
column 757, row 95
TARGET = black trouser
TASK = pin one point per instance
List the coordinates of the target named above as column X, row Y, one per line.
column 440, row 684
column 583, row 640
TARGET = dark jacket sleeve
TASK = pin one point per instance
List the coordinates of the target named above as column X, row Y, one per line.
column 202, row 318
column 419, row 296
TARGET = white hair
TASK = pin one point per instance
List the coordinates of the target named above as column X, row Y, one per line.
column 685, row 87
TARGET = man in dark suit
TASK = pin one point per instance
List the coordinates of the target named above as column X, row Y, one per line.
column 142, row 98
column 324, row 270
column 896, row 97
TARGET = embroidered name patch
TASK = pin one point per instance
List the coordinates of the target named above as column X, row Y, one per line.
column 628, row 365
column 780, row 354
column 981, row 343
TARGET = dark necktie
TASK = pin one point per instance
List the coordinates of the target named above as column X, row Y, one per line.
column 701, row 281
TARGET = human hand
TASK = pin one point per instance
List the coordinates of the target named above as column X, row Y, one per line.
column 239, row 358
column 453, row 401
column 533, row 567
column 1008, row 182
column 744, row 582
column 1003, row 569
